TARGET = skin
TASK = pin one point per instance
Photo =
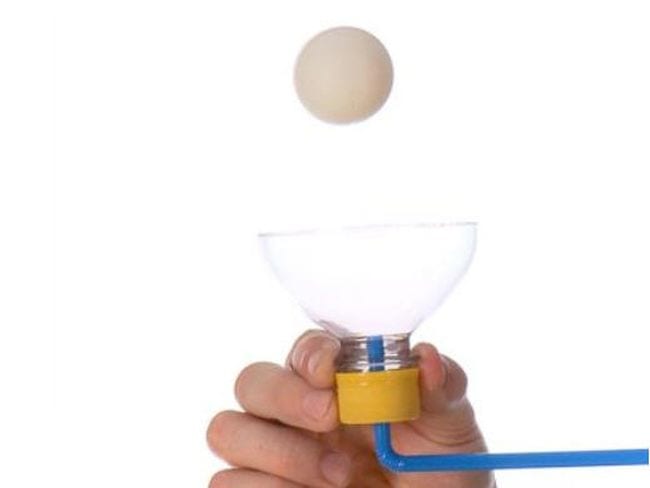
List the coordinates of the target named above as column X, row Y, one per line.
column 289, row 436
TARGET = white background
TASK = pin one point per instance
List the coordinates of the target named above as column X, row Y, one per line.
column 144, row 143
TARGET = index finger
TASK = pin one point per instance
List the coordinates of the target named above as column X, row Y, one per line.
column 313, row 358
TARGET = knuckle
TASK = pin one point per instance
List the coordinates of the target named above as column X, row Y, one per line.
column 306, row 344
column 222, row 479
column 329, row 421
column 216, row 481
column 218, row 434
column 244, row 379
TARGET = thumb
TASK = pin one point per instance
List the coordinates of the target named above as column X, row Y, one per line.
column 447, row 417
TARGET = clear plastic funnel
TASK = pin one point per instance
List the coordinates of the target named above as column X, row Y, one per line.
column 371, row 280
column 372, row 286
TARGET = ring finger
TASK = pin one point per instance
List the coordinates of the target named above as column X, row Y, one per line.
column 246, row 441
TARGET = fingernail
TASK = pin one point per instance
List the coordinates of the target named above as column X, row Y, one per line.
column 317, row 403
column 314, row 361
column 445, row 368
column 298, row 356
column 429, row 379
column 336, row 468
column 327, row 350
column 427, row 373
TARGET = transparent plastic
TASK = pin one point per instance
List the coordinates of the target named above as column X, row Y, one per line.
column 374, row 285
column 371, row 280
column 355, row 355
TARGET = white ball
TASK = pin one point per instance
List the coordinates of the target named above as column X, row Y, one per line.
column 343, row 75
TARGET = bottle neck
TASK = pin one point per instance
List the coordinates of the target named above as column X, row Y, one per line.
column 354, row 354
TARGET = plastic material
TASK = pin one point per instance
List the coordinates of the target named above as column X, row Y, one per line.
column 486, row 462
column 364, row 281
column 382, row 396
column 378, row 281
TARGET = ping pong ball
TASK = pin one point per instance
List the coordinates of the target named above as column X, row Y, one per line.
column 343, row 75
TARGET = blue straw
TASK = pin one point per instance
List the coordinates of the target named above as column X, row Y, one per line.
column 375, row 345
column 486, row 462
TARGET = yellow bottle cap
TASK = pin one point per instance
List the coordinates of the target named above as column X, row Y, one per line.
column 378, row 396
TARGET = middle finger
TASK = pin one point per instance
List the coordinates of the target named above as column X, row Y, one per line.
column 247, row 441
column 270, row 391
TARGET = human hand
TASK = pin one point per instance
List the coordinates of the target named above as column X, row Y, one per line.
column 289, row 435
